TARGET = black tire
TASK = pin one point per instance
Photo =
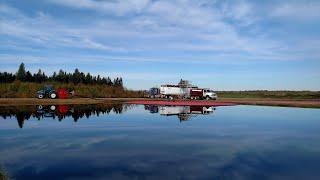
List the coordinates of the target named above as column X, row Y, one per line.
column 53, row 108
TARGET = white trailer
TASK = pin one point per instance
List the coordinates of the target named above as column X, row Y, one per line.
column 170, row 91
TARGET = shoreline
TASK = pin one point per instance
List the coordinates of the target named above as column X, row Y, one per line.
column 301, row 103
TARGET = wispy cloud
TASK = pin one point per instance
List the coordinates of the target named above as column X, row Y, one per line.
column 169, row 33
column 119, row 8
column 299, row 10
column 147, row 26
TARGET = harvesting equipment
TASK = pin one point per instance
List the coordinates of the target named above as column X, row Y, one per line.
column 47, row 91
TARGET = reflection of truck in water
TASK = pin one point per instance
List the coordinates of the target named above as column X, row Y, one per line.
column 173, row 110
column 183, row 112
column 183, row 90
column 152, row 108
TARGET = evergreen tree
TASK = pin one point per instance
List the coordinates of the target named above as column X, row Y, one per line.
column 21, row 72
column 7, row 77
column 88, row 79
column 29, row 77
column 63, row 77
column 109, row 82
column 60, row 76
column 54, row 76
column 38, row 76
column 116, row 81
column 98, row 79
column 120, row 83
column 76, row 77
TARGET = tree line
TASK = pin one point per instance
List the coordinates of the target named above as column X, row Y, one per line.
column 76, row 77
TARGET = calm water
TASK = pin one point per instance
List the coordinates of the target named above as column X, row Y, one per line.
column 149, row 142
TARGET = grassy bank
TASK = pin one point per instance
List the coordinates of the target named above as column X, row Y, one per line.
column 270, row 94
column 19, row 89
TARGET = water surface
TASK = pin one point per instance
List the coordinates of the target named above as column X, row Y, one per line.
column 149, row 142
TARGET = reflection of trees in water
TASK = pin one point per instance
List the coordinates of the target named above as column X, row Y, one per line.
column 22, row 113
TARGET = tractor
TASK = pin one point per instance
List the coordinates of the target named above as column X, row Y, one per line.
column 47, row 91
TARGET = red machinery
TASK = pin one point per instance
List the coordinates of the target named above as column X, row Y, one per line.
column 63, row 93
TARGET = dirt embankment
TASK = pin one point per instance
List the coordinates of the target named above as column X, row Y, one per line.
column 245, row 101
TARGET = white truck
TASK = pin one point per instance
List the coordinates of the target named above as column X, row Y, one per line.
column 202, row 94
column 170, row 91
column 183, row 90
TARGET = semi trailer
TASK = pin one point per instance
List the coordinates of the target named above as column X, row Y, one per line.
column 184, row 90
column 171, row 91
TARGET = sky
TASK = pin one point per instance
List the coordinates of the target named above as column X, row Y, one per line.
column 218, row 44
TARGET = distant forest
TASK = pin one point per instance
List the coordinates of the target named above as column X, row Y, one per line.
column 76, row 77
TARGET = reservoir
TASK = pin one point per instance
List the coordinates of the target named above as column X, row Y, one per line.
column 126, row 141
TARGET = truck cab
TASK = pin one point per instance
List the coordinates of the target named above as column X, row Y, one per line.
column 203, row 94
column 154, row 92
column 209, row 94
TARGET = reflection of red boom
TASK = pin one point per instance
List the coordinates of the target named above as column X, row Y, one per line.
column 63, row 109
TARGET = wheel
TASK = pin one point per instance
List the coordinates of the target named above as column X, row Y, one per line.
column 40, row 107
column 52, row 108
column 40, row 96
column 207, row 98
column 53, row 95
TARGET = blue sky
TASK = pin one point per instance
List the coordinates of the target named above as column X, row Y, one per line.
column 224, row 45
